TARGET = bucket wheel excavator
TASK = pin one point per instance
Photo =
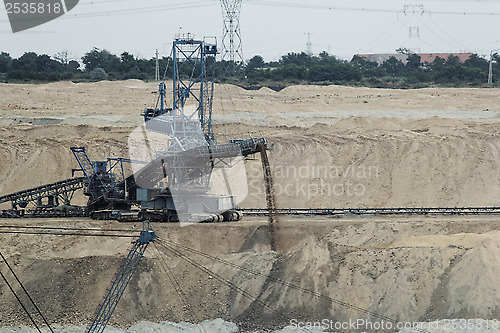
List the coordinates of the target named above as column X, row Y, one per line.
column 175, row 157
column 177, row 171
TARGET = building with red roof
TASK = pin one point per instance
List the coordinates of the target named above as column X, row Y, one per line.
column 425, row 57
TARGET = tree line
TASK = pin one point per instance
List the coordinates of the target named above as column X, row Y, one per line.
column 293, row 68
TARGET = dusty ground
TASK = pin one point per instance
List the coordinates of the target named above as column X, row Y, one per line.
column 408, row 269
column 332, row 147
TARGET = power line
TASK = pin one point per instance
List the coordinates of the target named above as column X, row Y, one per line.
column 369, row 45
column 417, row 11
column 128, row 11
column 446, row 33
column 359, row 9
column 398, row 30
column 322, row 7
column 433, row 47
column 476, row 1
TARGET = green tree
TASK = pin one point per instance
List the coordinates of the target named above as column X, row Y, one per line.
column 5, row 62
column 254, row 66
column 453, row 60
column 476, row 61
column 26, row 62
column 62, row 57
column 31, row 66
column 73, row 66
column 415, row 71
column 291, row 71
column 413, row 62
column 299, row 59
column 368, row 69
column 362, row 63
column 452, row 71
column 403, row 50
column 103, row 59
column 45, row 64
column 393, row 66
column 127, row 62
column 256, row 62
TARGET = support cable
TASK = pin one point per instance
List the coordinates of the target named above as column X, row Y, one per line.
column 224, row 281
column 284, row 283
column 64, row 234
column 67, row 228
column 27, row 294
column 22, row 305
column 178, row 289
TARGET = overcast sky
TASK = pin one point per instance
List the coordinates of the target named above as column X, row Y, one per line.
column 270, row 28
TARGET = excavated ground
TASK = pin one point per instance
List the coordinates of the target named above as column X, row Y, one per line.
column 405, row 268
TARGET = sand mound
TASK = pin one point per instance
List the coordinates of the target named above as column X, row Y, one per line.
column 399, row 283
column 437, row 121
column 404, row 283
column 266, row 90
column 62, row 84
column 29, row 152
column 135, row 84
column 357, row 162
column 353, row 123
column 473, row 282
column 370, row 124
column 362, row 162
column 387, row 124
column 465, row 240
column 439, row 126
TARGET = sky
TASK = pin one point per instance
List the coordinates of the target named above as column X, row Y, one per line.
column 270, row 28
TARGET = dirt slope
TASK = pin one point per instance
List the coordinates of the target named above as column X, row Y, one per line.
column 420, row 268
column 356, row 162
column 373, row 265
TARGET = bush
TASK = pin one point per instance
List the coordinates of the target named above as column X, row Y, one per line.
column 98, row 74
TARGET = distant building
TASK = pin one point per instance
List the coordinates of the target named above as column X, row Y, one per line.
column 425, row 57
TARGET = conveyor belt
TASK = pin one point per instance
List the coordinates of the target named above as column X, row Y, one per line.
column 62, row 189
column 378, row 211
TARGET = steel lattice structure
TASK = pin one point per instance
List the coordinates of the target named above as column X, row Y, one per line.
column 122, row 279
column 232, row 49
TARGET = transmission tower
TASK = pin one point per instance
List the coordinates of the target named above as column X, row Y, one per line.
column 414, row 11
column 157, row 72
column 231, row 38
column 309, row 45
